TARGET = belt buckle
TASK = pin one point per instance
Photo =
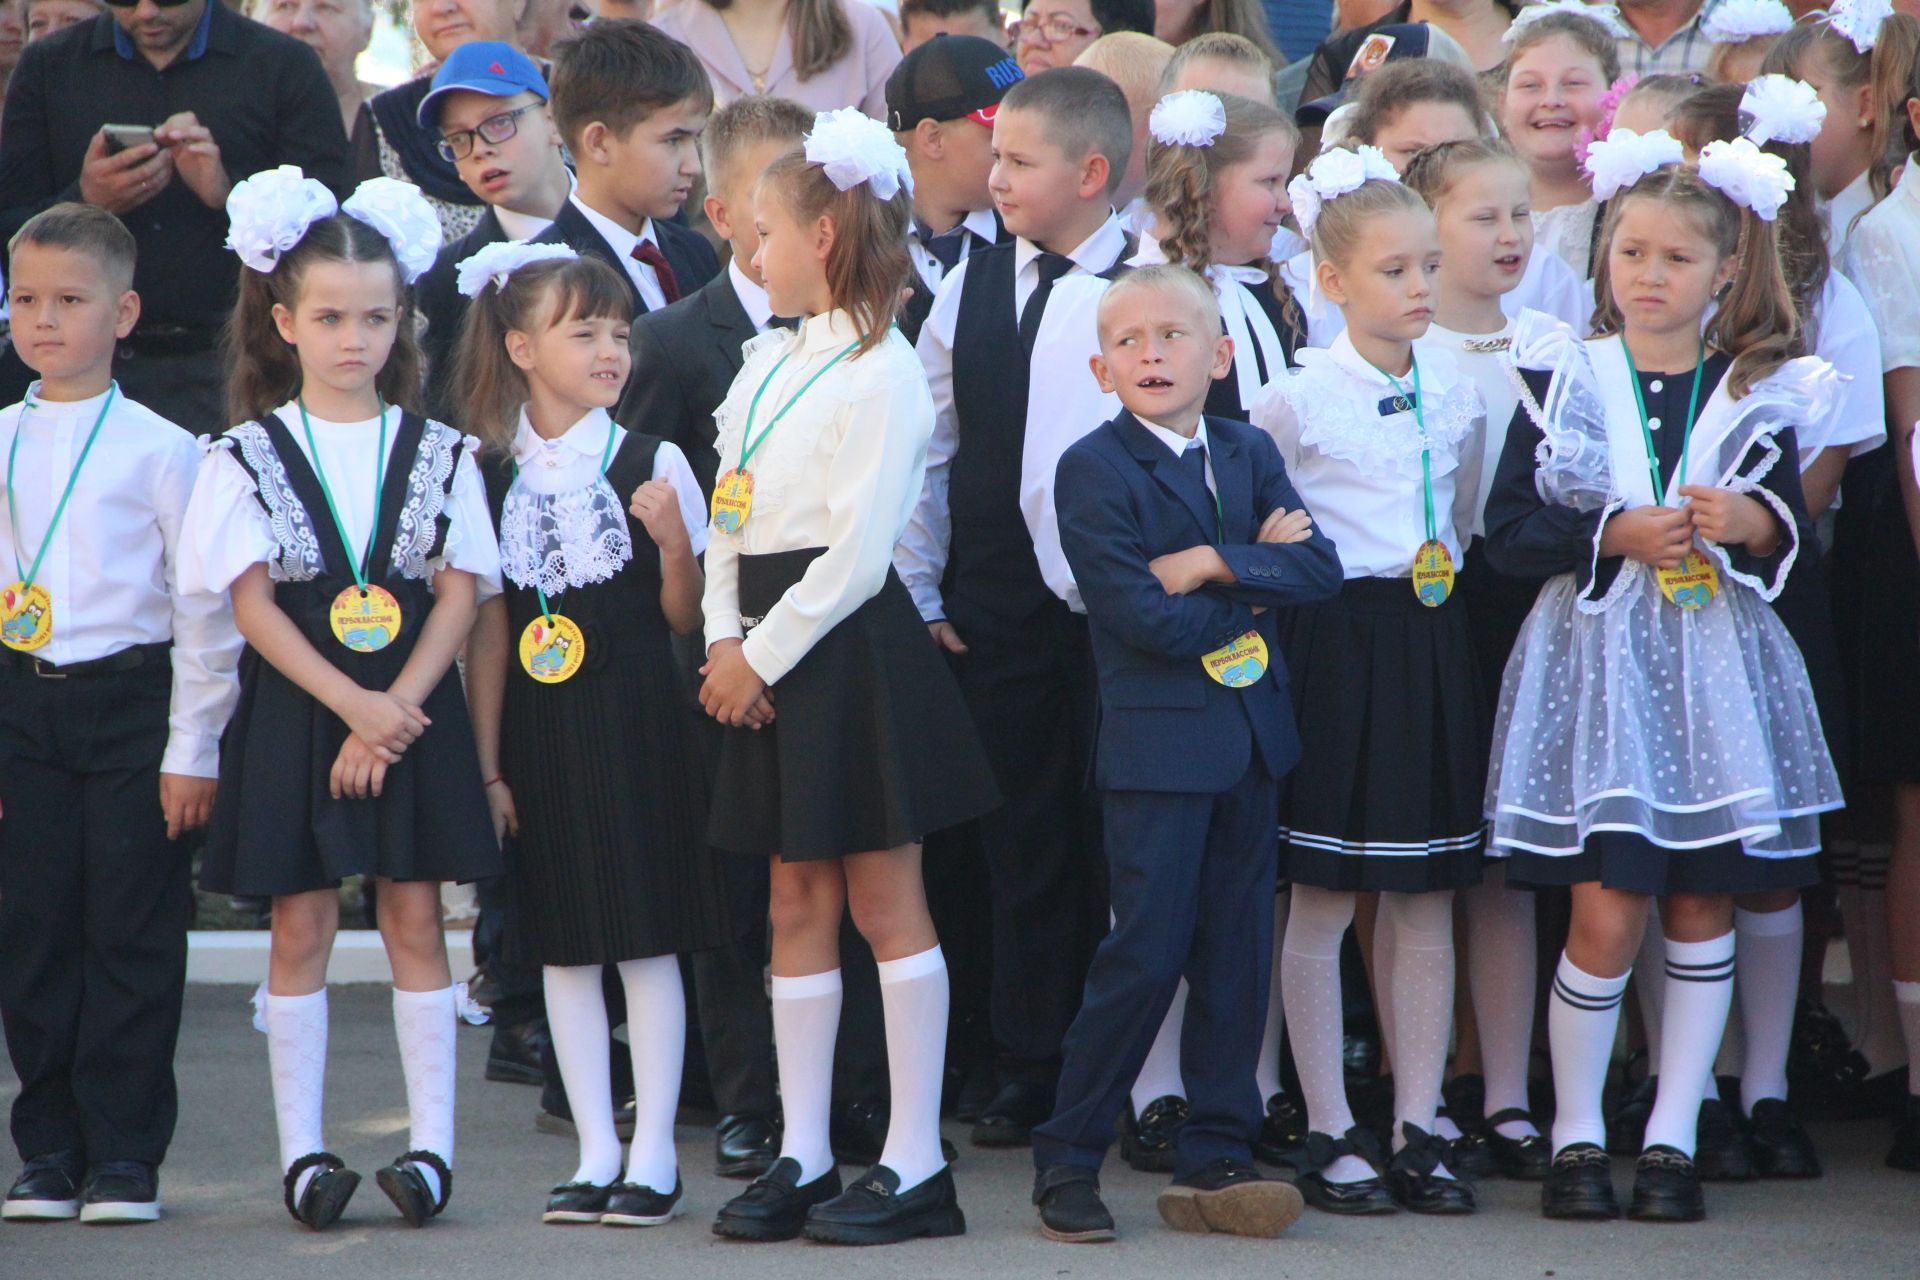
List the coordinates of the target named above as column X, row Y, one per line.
column 44, row 669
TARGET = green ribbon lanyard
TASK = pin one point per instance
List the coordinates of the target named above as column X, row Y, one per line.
column 750, row 443
column 13, row 520
column 606, row 457
column 357, row 564
column 1426, row 450
column 1646, row 432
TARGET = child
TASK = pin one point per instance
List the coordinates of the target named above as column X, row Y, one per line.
column 1134, row 61
column 1558, row 66
column 353, row 566
column 1220, row 62
column 610, row 866
column 1742, row 31
column 94, row 893
column 1590, row 784
column 968, row 557
column 630, row 102
column 847, row 742
column 923, row 20
column 1387, row 430
column 1182, row 530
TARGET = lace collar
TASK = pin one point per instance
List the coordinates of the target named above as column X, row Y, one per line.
column 562, row 525
column 1336, row 395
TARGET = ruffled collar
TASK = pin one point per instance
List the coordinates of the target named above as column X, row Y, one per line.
column 828, row 332
column 1336, row 395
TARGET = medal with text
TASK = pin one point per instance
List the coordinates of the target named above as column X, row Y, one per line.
column 733, row 492
column 1239, row 664
column 1695, row 583
column 366, row 616
column 26, row 607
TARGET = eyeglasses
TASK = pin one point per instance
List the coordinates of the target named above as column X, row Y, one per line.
column 1052, row 30
column 495, row 130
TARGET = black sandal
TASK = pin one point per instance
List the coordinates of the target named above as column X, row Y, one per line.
column 326, row 1196
column 408, row 1190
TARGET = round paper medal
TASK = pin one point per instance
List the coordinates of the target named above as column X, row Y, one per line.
column 732, row 500
column 1693, row 584
column 552, row 648
column 1239, row 664
column 1433, row 573
column 365, row 619
column 26, row 616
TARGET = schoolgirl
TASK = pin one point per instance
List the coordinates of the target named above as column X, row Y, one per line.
column 1382, row 435
column 847, row 738
column 588, row 754
column 1657, row 734
column 353, row 537
column 1742, row 31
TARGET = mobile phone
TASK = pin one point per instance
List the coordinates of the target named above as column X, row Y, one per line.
column 122, row 136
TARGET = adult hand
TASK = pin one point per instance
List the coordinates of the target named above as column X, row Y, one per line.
column 125, row 180
column 196, row 157
column 186, row 801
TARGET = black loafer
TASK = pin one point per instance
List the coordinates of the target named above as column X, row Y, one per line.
column 1414, row 1177
column 875, row 1211
column 631, row 1205
column 774, row 1205
column 1720, row 1147
column 1780, row 1147
column 576, row 1203
column 857, row 1132
column 47, row 1190
column 404, row 1186
column 1905, row 1152
column 1353, row 1199
column 1147, row 1140
column 1579, row 1185
column 1009, row 1119
column 513, row 1057
column 326, row 1194
column 1522, row 1159
column 1232, row 1198
column 120, row 1191
column 1627, row 1126
column 1283, row 1131
column 1067, row 1197
column 1666, row 1187
column 745, row 1145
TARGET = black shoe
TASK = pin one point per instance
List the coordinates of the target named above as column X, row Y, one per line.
column 1415, row 1179
column 1283, row 1131
column 1905, row 1152
column 47, row 1190
column 1365, row 1197
column 1009, row 1119
column 1467, row 1156
column 744, row 1145
column 875, row 1211
column 576, row 1202
column 1720, row 1148
column 1627, row 1126
column 514, row 1055
column 1372, row 1100
column 1147, row 1140
column 631, row 1205
column 404, row 1185
column 327, row 1192
column 857, row 1132
column 1465, row 1097
column 1232, row 1198
column 1522, row 1159
column 1067, row 1197
column 1780, row 1147
column 1666, row 1187
column 1579, row 1185
column 774, row 1206
column 975, row 1091
column 556, row 1117
column 120, row 1191
column 1824, row 1071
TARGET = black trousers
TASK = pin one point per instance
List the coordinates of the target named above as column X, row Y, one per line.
column 94, row 909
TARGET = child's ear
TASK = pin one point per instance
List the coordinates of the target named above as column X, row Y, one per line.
column 128, row 314
column 1222, row 358
column 520, row 350
column 1094, row 172
column 929, row 139
column 716, row 210
column 1327, row 276
column 1913, row 115
column 1103, row 375
column 593, row 140
column 1863, row 99
column 824, row 234
column 283, row 321
column 1723, row 276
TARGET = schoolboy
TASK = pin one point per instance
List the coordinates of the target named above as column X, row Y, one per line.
column 922, row 20
column 1134, row 61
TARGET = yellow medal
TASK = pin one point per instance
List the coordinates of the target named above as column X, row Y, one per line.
column 732, row 500
column 733, row 493
column 1433, row 573
column 1693, row 585
column 1239, row 664
column 26, row 610
column 552, row 648
column 365, row 619
column 26, row 616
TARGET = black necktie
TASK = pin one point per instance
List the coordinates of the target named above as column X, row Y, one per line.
column 1193, row 461
column 1052, row 267
column 945, row 247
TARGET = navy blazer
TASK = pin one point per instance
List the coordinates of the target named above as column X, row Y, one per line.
column 688, row 252
column 1124, row 499
column 685, row 358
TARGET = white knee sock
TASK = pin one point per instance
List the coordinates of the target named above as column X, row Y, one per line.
column 425, row 1023
column 913, row 996
column 1310, row 984
column 1500, row 976
column 577, row 1019
column 1767, row 979
column 1699, row 993
column 1881, row 1041
column 1160, row 1074
column 1649, row 983
column 297, row 1057
column 1583, row 1013
column 806, row 1018
column 1907, row 995
column 657, row 1035
column 1422, row 985
column 1266, row 1072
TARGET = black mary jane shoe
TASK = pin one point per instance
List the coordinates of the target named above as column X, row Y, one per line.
column 875, row 1211
column 1666, row 1187
column 774, row 1206
column 1283, row 1131
column 1522, row 1159
column 1415, row 1179
column 1905, row 1152
column 1579, row 1185
column 1232, row 1198
column 745, row 1144
column 1720, row 1152
column 404, row 1185
column 1067, row 1198
column 630, row 1204
column 325, row 1197
column 1353, row 1199
column 1009, row 1120
column 576, row 1203
column 1780, row 1146
column 1469, row 1155
column 1147, row 1140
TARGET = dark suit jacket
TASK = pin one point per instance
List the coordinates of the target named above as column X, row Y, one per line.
column 688, row 252
column 1124, row 500
column 443, row 307
column 684, row 360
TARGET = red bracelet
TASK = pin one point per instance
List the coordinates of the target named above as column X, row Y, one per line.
column 490, row 781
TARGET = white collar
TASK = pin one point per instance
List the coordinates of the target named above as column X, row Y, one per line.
column 828, row 331
column 525, row 226
column 622, row 241
column 1219, row 274
column 1174, row 441
column 753, row 297
column 587, row 438
column 60, row 411
column 1093, row 255
column 981, row 222
column 289, row 413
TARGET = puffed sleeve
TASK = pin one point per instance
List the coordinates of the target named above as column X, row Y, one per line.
column 471, row 546
column 225, row 530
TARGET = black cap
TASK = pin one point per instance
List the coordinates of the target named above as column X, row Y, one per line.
column 949, row 77
column 1383, row 44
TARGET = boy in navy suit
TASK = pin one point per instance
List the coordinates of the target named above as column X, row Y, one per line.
column 1182, row 531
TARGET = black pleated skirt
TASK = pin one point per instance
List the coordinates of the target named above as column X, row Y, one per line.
column 1388, row 792
column 1625, row 860
column 1876, row 611
column 871, row 746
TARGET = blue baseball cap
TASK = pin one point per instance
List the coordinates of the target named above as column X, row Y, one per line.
column 492, row 67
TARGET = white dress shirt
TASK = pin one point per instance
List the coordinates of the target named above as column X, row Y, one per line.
column 623, row 242
column 1883, row 258
column 571, row 461
column 1178, row 444
column 981, row 224
column 1843, row 213
column 1846, row 337
column 112, row 566
column 753, row 297
column 1483, row 358
column 841, row 470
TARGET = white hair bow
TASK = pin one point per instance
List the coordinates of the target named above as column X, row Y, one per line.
column 853, row 148
column 1860, row 20
column 399, row 212
column 268, row 213
column 1623, row 157
column 1732, row 21
column 1607, row 15
column 1782, row 109
column 1189, row 118
column 1751, row 178
column 1333, row 174
column 494, row 263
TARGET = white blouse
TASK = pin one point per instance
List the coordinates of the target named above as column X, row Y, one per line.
column 1883, row 258
column 842, row 470
column 228, row 530
column 1483, row 358
column 1567, row 233
column 1846, row 338
column 1358, row 470
column 1843, row 212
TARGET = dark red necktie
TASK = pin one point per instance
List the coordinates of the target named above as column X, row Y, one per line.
column 649, row 252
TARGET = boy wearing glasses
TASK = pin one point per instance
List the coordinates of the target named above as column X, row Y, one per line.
column 1052, row 33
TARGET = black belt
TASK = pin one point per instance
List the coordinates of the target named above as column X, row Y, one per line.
column 138, row 656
